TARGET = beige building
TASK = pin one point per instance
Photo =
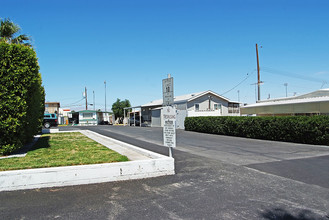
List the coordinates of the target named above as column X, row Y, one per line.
column 207, row 103
column 314, row 103
column 52, row 107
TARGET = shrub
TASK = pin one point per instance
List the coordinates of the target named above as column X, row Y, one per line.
column 21, row 96
column 299, row 129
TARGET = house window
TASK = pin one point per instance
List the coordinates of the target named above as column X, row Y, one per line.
column 196, row 107
column 217, row 106
column 233, row 108
column 87, row 115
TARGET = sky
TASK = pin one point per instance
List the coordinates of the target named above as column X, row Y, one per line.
column 203, row 44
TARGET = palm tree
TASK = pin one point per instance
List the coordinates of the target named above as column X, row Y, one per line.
column 8, row 30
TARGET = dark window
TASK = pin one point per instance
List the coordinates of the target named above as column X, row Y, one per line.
column 87, row 115
column 217, row 106
column 233, row 107
column 196, row 106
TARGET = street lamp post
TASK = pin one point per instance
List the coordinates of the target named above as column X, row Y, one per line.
column 105, row 94
column 94, row 101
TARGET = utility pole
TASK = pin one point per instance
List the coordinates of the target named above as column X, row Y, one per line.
column 86, row 98
column 94, row 100
column 258, row 74
column 286, row 85
column 238, row 95
column 105, row 93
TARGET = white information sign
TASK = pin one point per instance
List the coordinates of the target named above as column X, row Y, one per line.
column 169, row 128
column 168, row 91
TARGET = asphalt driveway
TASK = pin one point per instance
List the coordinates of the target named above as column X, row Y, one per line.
column 216, row 177
column 306, row 163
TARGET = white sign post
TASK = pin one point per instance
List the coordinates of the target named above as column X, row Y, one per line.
column 168, row 91
column 169, row 128
column 169, row 114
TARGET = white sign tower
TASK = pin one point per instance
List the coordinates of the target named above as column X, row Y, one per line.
column 169, row 114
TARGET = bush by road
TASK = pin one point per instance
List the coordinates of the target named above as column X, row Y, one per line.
column 298, row 129
column 21, row 96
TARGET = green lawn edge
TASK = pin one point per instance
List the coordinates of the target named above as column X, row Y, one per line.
column 62, row 149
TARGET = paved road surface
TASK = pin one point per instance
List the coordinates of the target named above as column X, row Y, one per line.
column 307, row 163
column 217, row 178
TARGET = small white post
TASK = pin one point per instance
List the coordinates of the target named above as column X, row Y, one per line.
column 134, row 116
column 124, row 116
column 140, row 118
column 170, row 152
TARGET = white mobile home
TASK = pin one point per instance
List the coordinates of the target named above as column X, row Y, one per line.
column 207, row 103
column 90, row 117
column 314, row 103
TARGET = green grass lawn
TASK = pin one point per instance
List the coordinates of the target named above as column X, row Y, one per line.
column 62, row 149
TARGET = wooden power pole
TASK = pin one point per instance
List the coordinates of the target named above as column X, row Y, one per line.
column 258, row 74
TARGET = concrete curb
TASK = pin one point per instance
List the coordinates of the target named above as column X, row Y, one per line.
column 148, row 164
column 25, row 149
column 49, row 130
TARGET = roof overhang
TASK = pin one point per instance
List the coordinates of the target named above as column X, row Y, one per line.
column 292, row 107
column 208, row 92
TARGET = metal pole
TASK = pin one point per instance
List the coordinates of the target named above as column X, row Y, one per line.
column 258, row 74
column 86, row 98
column 134, row 117
column 286, row 85
column 170, row 152
column 140, row 118
column 105, row 93
column 238, row 95
column 94, row 100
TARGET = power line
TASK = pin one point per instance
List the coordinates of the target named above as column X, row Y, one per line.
column 73, row 103
column 293, row 75
column 248, row 75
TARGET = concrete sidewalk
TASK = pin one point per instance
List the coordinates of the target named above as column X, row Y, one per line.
column 132, row 152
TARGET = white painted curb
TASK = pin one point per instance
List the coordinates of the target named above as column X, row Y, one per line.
column 49, row 130
column 157, row 165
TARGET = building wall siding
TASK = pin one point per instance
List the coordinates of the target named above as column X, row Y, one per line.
column 203, row 102
column 289, row 109
column 156, row 118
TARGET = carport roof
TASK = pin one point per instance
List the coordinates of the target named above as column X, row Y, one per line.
column 321, row 95
column 287, row 102
column 132, row 107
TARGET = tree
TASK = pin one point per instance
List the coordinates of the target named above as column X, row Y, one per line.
column 8, row 30
column 22, row 96
column 118, row 108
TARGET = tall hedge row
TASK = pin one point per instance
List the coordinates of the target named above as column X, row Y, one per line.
column 298, row 129
column 21, row 97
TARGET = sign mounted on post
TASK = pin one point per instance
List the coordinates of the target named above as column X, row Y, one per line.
column 169, row 128
column 168, row 91
column 169, row 114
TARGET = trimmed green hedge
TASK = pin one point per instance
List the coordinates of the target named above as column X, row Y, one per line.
column 21, row 97
column 298, row 129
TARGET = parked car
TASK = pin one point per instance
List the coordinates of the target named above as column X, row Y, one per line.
column 137, row 121
column 50, row 120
